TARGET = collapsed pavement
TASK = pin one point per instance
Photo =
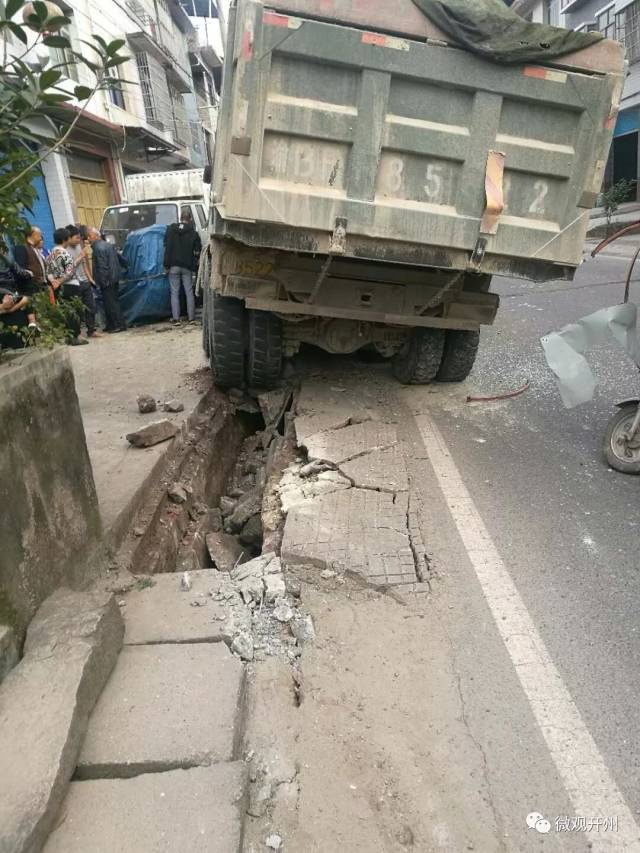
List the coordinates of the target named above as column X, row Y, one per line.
column 347, row 503
column 328, row 481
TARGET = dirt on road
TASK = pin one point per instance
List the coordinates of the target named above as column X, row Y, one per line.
column 371, row 750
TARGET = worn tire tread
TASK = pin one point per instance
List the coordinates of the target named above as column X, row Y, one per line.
column 264, row 362
column 227, row 341
column 460, row 351
column 419, row 360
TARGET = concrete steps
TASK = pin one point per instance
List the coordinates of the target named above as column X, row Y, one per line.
column 159, row 769
column 71, row 647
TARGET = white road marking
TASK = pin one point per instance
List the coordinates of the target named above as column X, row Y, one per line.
column 581, row 767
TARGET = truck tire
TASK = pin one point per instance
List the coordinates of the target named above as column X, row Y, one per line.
column 264, row 364
column 419, row 360
column 227, row 340
column 206, row 332
column 460, row 351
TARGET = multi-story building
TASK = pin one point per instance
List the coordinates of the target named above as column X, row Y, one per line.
column 619, row 20
column 161, row 119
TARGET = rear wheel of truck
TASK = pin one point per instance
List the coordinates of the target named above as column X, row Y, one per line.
column 206, row 331
column 419, row 360
column 226, row 341
column 264, row 364
column 460, row 351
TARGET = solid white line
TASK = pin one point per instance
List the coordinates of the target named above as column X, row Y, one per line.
column 582, row 769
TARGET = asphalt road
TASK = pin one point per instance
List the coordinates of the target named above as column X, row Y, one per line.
column 565, row 527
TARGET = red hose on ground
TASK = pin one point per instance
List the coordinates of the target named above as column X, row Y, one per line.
column 507, row 396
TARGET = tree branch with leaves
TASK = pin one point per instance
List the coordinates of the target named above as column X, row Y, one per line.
column 33, row 88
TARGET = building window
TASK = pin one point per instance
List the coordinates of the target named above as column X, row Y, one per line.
column 628, row 22
column 551, row 12
column 147, row 90
column 116, row 95
column 64, row 56
column 607, row 23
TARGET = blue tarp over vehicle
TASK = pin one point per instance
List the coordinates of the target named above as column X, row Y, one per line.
column 144, row 293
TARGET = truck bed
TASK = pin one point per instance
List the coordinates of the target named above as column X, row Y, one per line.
column 354, row 115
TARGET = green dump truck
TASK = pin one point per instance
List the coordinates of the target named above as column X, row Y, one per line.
column 371, row 175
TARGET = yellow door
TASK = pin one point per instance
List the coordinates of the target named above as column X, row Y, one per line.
column 91, row 198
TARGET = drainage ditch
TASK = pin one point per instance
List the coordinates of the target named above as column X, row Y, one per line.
column 217, row 507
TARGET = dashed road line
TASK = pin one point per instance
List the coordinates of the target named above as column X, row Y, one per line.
column 580, row 765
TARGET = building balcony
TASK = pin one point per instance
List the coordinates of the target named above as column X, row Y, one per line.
column 149, row 42
column 201, row 42
column 571, row 5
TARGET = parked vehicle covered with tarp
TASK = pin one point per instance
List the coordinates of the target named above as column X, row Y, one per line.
column 145, row 293
column 377, row 163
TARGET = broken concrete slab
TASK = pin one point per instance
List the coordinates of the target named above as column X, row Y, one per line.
column 162, row 613
column 249, row 505
column 152, row 434
column 381, row 469
column 274, row 587
column 165, row 706
column 294, row 490
column 355, row 530
column 323, row 407
column 272, row 404
column 198, row 810
column 8, row 650
column 339, row 446
column 224, row 550
column 71, row 647
column 259, row 566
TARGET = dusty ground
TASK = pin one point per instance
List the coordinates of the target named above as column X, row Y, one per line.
column 110, row 373
column 379, row 743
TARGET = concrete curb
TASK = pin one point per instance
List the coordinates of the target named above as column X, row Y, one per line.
column 71, row 648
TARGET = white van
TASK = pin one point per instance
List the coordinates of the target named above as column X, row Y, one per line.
column 158, row 198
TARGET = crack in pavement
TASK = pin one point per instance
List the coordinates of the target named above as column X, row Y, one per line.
column 499, row 823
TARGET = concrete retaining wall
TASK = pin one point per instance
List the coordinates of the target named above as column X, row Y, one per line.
column 49, row 517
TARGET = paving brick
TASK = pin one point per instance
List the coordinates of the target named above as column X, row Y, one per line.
column 197, row 810
column 165, row 706
column 368, row 534
column 340, row 445
column 164, row 613
column 323, row 407
column 380, row 469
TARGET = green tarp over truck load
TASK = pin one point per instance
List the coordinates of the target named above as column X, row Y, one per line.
column 490, row 28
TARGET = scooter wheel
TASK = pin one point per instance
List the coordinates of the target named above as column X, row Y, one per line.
column 621, row 454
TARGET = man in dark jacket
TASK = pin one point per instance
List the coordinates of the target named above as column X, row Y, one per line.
column 14, row 287
column 106, row 274
column 182, row 248
column 29, row 256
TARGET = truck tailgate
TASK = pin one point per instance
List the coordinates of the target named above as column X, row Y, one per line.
column 327, row 122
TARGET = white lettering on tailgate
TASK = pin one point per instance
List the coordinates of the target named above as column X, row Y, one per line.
column 537, row 207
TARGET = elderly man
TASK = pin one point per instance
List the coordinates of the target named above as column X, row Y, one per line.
column 13, row 301
column 106, row 274
column 29, row 256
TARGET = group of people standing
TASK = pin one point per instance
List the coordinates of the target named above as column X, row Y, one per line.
column 81, row 266
column 83, row 269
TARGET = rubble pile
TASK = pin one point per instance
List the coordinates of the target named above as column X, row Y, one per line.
column 265, row 616
column 241, row 507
